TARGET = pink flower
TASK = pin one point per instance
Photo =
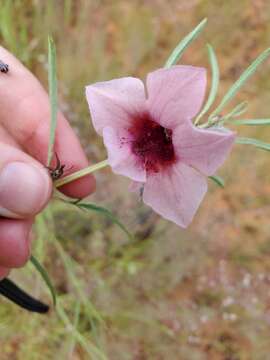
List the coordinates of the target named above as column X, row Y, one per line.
column 151, row 139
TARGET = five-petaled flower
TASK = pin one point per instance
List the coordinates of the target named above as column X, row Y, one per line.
column 151, row 139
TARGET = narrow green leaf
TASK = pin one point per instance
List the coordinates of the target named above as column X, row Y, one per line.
column 241, row 81
column 180, row 48
column 45, row 277
column 103, row 211
column 218, row 180
column 252, row 122
column 249, row 141
column 52, row 78
column 93, row 351
column 236, row 111
column 214, row 84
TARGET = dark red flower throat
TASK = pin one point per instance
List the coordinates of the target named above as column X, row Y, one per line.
column 152, row 143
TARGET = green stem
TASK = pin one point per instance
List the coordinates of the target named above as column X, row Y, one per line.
column 78, row 174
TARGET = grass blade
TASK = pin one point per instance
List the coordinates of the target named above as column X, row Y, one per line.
column 52, row 78
column 181, row 47
column 241, row 81
column 70, row 264
column 218, row 180
column 73, row 341
column 103, row 211
column 45, row 277
column 215, row 82
column 252, row 122
column 249, row 141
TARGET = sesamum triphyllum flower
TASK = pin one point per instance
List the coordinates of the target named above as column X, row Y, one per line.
column 150, row 138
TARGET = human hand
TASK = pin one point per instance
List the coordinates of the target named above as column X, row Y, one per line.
column 25, row 184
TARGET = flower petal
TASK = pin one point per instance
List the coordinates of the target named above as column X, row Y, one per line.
column 205, row 150
column 176, row 195
column 175, row 94
column 120, row 157
column 112, row 103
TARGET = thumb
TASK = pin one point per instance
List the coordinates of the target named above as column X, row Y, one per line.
column 25, row 186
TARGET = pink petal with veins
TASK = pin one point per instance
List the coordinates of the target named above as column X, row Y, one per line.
column 176, row 194
column 176, row 94
column 204, row 149
column 113, row 103
column 120, row 157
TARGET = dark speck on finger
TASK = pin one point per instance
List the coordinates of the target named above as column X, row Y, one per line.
column 3, row 67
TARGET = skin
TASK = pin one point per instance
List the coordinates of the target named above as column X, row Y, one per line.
column 25, row 184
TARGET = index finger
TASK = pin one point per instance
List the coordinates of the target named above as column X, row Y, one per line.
column 3, row 272
column 25, row 114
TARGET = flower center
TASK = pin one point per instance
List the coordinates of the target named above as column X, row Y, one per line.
column 152, row 143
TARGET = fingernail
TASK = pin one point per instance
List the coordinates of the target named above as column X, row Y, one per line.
column 24, row 189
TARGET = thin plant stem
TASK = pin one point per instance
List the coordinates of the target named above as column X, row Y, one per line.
column 78, row 174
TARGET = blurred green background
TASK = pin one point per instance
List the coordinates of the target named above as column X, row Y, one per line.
column 197, row 294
